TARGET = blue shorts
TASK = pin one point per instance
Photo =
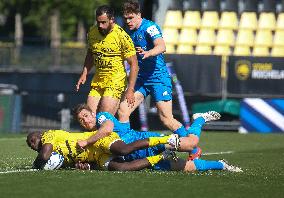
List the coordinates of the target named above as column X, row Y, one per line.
column 159, row 90
column 132, row 136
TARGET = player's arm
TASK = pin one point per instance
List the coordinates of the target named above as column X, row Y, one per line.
column 132, row 61
column 159, row 48
column 43, row 156
column 88, row 64
column 105, row 130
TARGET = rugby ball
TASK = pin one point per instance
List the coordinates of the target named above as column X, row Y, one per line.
column 54, row 162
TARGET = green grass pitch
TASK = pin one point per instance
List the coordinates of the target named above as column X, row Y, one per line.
column 260, row 156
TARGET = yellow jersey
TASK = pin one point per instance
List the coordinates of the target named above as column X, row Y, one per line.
column 109, row 52
column 65, row 143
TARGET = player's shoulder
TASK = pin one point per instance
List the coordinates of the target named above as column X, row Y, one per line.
column 151, row 28
column 93, row 31
column 118, row 30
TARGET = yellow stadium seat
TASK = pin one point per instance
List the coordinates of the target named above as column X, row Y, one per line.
column 192, row 19
column 188, row 36
column 203, row 50
column 267, row 21
column 263, row 38
column 170, row 49
column 280, row 22
column 225, row 37
column 210, row 19
column 224, row 50
column 228, row 20
column 260, row 51
column 170, row 35
column 241, row 50
column 277, row 51
column 206, row 36
column 245, row 37
column 278, row 38
column 184, row 49
column 248, row 21
column 173, row 19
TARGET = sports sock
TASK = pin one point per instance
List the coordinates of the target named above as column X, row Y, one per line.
column 182, row 132
column 196, row 126
column 153, row 160
column 154, row 141
column 204, row 165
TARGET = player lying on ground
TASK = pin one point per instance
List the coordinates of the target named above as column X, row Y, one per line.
column 102, row 151
column 99, row 153
column 105, row 122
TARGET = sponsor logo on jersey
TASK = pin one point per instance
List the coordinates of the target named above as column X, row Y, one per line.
column 101, row 119
column 153, row 30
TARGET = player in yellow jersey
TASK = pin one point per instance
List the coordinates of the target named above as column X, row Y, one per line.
column 104, row 152
column 108, row 46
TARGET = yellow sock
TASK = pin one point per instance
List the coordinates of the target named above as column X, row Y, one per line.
column 154, row 141
column 153, row 160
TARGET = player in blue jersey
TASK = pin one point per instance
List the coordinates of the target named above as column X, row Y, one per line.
column 105, row 122
column 153, row 77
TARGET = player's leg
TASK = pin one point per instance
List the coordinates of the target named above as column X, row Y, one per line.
column 94, row 98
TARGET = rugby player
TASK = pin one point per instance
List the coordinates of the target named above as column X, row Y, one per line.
column 108, row 46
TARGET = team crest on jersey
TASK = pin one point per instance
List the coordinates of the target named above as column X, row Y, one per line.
column 153, row 30
column 101, row 119
column 140, row 37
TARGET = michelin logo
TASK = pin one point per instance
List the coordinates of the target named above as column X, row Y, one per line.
column 165, row 93
column 101, row 119
column 153, row 30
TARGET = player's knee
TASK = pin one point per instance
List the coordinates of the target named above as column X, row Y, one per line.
column 122, row 112
column 125, row 150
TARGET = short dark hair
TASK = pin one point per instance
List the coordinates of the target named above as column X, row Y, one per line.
column 131, row 6
column 105, row 9
column 78, row 108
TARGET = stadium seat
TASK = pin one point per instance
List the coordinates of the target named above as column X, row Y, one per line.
column 280, row 22
column 260, row 51
column 184, row 49
column 170, row 35
column 248, row 21
column 267, row 21
column 241, row 50
column 224, row 50
column 203, row 50
column 173, row 19
column 278, row 38
column 206, row 36
column 225, row 37
column 192, row 19
column 263, row 38
column 188, row 36
column 277, row 51
column 245, row 37
column 210, row 19
column 229, row 20
column 170, row 49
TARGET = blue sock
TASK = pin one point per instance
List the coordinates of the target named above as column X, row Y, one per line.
column 125, row 125
column 182, row 132
column 194, row 150
column 204, row 165
column 196, row 126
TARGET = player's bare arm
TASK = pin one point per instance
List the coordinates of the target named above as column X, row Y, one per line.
column 43, row 155
column 159, row 48
column 129, row 93
column 104, row 131
column 88, row 64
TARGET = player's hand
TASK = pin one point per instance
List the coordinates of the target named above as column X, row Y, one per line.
column 129, row 95
column 82, row 143
column 145, row 54
column 82, row 166
column 81, row 80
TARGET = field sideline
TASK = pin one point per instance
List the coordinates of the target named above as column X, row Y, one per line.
column 260, row 156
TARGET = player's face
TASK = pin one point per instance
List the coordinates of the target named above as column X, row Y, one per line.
column 87, row 119
column 132, row 20
column 35, row 143
column 104, row 24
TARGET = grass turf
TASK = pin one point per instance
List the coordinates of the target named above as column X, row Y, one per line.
column 260, row 156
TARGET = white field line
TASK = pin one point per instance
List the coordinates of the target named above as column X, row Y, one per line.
column 18, row 171
column 219, row 153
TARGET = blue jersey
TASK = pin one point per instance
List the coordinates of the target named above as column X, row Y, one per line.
column 152, row 68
